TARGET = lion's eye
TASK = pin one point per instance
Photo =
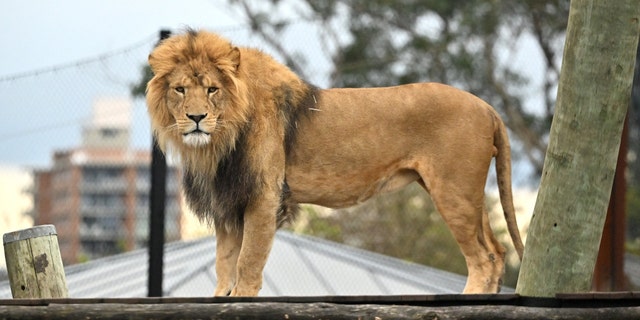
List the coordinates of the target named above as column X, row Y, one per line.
column 211, row 90
column 179, row 89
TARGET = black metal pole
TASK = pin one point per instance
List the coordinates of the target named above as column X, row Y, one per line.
column 157, row 200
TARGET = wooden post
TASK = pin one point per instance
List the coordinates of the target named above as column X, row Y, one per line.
column 34, row 263
column 593, row 97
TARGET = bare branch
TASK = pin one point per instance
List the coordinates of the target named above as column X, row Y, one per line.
column 274, row 41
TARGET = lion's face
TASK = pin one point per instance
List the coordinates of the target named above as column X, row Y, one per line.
column 195, row 98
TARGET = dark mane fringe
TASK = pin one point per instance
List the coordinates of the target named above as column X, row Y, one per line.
column 222, row 198
column 295, row 112
column 235, row 184
column 288, row 209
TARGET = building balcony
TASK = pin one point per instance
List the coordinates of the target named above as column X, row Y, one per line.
column 143, row 185
column 104, row 185
column 98, row 232
column 103, row 210
column 173, row 187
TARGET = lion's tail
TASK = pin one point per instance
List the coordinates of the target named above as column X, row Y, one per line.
column 503, row 173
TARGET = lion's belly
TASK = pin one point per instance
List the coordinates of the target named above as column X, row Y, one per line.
column 363, row 142
column 334, row 189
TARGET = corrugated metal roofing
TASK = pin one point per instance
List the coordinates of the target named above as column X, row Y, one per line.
column 298, row 266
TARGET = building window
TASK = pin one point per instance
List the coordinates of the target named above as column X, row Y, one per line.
column 109, row 132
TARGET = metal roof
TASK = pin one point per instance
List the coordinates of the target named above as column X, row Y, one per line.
column 298, row 266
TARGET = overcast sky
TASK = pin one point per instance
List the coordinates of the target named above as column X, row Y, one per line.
column 37, row 34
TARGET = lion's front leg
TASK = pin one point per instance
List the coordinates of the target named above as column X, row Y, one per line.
column 258, row 234
column 228, row 244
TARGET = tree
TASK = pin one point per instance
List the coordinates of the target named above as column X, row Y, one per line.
column 419, row 233
column 379, row 43
column 633, row 219
column 593, row 97
column 634, row 130
column 633, row 174
column 404, row 224
column 139, row 89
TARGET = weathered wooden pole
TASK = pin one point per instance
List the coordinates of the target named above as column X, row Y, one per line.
column 34, row 263
column 593, row 97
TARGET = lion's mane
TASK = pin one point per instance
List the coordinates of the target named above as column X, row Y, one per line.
column 220, row 179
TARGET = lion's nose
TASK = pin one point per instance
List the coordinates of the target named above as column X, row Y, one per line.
column 196, row 117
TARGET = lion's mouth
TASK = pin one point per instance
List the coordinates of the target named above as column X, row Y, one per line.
column 196, row 137
column 196, row 131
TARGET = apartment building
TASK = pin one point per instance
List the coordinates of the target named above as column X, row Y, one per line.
column 97, row 195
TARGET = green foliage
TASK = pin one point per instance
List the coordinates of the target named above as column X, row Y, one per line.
column 463, row 43
column 404, row 224
column 633, row 219
column 314, row 222
column 82, row 258
column 139, row 89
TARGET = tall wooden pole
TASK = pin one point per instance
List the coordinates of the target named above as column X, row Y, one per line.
column 593, row 97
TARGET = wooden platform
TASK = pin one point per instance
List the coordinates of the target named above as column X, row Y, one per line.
column 619, row 305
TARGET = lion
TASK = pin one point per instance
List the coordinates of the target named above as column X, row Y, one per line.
column 255, row 141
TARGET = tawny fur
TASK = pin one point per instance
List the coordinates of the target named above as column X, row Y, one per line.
column 255, row 140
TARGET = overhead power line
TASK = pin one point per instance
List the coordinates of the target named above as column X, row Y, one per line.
column 34, row 73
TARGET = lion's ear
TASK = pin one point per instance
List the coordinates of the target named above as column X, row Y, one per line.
column 234, row 57
column 152, row 63
column 157, row 65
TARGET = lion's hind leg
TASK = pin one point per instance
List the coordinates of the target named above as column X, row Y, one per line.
column 469, row 223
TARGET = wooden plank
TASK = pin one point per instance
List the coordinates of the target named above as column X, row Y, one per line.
column 278, row 310
column 584, row 300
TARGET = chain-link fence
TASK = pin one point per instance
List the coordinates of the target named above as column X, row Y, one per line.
column 85, row 140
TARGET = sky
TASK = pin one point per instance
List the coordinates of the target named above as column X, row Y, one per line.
column 43, row 33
